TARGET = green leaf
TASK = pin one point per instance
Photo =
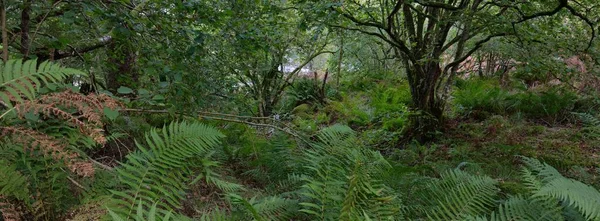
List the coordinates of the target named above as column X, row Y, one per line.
column 32, row 117
column 110, row 113
column 124, row 90
column 143, row 92
column 158, row 97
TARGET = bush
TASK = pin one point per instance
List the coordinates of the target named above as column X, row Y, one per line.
column 486, row 97
column 391, row 99
column 305, row 91
column 481, row 95
column 351, row 110
column 552, row 105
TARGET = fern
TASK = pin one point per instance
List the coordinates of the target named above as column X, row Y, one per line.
column 23, row 79
column 573, row 193
column 152, row 215
column 521, row 208
column 459, row 194
column 217, row 215
column 341, row 182
column 551, row 197
column 591, row 125
column 12, row 183
column 211, row 177
column 268, row 208
column 161, row 172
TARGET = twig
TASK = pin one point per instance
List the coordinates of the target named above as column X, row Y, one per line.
column 76, row 183
column 101, row 165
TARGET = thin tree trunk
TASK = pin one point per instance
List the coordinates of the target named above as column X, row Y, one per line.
column 25, row 18
column 323, row 87
column 4, row 31
column 339, row 65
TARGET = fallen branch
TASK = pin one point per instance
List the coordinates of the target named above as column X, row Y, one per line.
column 204, row 115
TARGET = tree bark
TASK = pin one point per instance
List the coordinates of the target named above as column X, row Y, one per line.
column 25, row 18
column 123, row 70
column 4, row 31
column 423, row 81
column 339, row 64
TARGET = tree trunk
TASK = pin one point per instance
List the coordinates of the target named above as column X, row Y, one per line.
column 265, row 109
column 4, row 31
column 339, row 64
column 25, row 18
column 123, row 72
column 422, row 81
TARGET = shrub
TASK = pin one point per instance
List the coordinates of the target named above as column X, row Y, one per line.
column 351, row 110
column 481, row 95
column 553, row 105
column 309, row 91
column 391, row 99
column 486, row 97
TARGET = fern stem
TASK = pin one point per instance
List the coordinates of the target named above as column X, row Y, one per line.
column 5, row 113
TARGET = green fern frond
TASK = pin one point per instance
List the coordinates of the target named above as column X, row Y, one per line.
column 338, row 135
column 276, row 208
column 12, row 183
column 341, row 179
column 519, row 208
column 159, row 172
column 151, row 215
column 268, row 208
column 573, row 193
column 211, row 177
column 591, row 124
column 582, row 197
column 239, row 200
column 553, row 197
column 544, row 171
column 23, row 79
column 217, row 215
column 459, row 194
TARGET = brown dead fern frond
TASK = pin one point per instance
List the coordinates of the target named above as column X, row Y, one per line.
column 49, row 146
column 87, row 126
column 10, row 212
column 93, row 210
column 89, row 110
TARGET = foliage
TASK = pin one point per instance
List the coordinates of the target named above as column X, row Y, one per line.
column 342, row 182
column 481, row 95
column 485, row 96
column 161, row 170
column 20, row 79
column 124, row 140
column 553, row 105
column 308, row 91
column 37, row 150
column 591, row 124
column 458, row 194
column 351, row 110
column 550, row 196
column 152, row 214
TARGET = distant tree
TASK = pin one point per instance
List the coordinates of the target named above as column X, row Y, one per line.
column 432, row 38
column 258, row 41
